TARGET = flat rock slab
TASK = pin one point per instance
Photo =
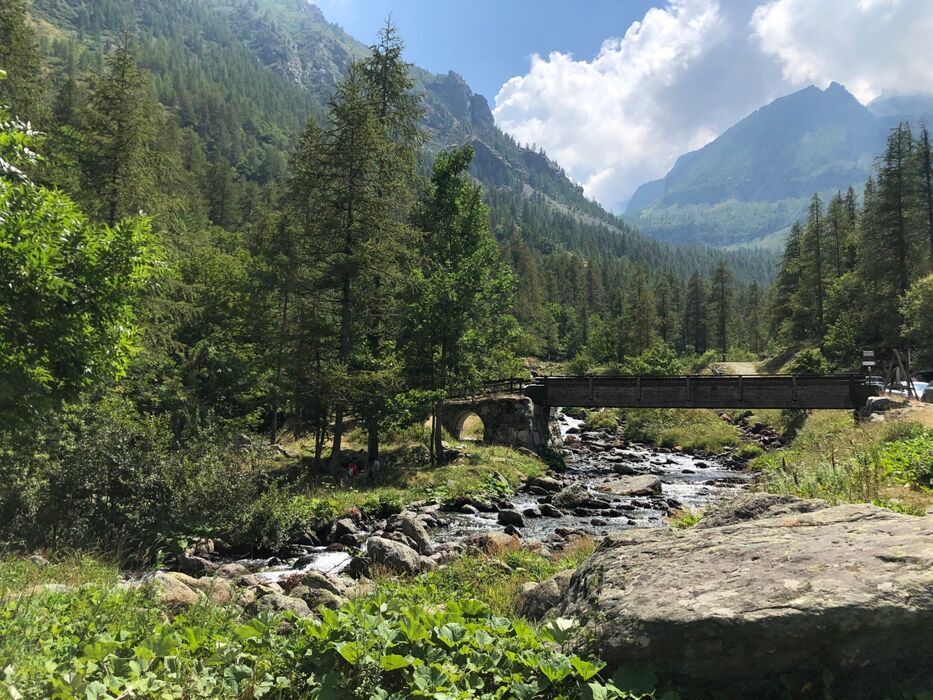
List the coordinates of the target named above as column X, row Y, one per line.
column 644, row 485
column 747, row 609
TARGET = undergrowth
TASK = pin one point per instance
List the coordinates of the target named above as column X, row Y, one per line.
column 838, row 460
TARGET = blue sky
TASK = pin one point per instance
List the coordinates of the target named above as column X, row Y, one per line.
column 488, row 41
column 616, row 90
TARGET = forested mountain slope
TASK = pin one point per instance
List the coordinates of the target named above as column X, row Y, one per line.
column 244, row 75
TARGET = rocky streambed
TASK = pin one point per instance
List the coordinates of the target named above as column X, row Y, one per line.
column 608, row 485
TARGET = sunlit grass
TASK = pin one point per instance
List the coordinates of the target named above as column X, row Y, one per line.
column 836, row 459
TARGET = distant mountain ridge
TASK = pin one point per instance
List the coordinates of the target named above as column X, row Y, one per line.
column 747, row 186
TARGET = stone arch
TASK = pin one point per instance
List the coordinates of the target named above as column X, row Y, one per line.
column 460, row 421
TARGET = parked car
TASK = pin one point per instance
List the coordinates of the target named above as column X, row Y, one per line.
column 900, row 388
column 927, row 396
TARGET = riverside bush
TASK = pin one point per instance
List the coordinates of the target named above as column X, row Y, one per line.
column 104, row 473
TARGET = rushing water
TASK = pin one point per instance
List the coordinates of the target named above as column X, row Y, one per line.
column 687, row 482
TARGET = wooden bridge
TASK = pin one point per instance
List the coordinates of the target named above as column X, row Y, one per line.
column 522, row 412
column 724, row 391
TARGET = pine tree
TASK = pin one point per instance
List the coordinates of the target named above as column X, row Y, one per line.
column 752, row 308
column 398, row 109
column 118, row 126
column 459, row 326
column 640, row 318
column 695, row 319
column 355, row 211
column 812, row 253
column 891, row 239
column 721, row 286
column 836, row 221
column 23, row 89
column 926, row 184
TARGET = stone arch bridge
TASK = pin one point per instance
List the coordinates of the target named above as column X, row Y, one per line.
column 523, row 413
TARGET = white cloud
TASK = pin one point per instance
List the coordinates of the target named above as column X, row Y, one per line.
column 693, row 68
column 870, row 46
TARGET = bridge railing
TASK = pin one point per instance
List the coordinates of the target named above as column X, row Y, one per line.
column 512, row 385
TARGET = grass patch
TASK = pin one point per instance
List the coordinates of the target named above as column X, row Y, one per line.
column 493, row 580
column 604, row 419
column 836, row 459
column 694, row 430
column 71, row 569
column 683, row 519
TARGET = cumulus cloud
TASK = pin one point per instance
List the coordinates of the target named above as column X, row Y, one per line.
column 870, row 46
column 690, row 69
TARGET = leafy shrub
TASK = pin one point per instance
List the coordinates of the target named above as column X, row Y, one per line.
column 808, row 362
column 93, row 643
column 278, row 516
column 605, row 419
column 683, row 519
column 104, row 473
column 659, row 360
column 839, row 460
column 910, row 458
column 582, row 364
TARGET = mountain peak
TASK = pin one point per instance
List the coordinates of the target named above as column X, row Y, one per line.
column 754, row 179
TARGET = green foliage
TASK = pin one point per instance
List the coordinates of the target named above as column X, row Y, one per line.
column 22, row 89
column 840, row 461
column 604, row 419
column 386, row 648
column 105, row 474
column 92, row 641
column 684, row 518
column 917, row 311
column 495, row 581
column 694, row 430
column 909, row 457
column 809, row 361
column 853, row 278
column 659, row 360
column 67, row 293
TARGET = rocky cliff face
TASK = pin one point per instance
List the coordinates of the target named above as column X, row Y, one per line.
column 797, row 601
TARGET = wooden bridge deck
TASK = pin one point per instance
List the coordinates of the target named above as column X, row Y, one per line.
column 733, row 391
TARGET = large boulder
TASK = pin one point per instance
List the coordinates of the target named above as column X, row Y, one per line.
column 172, row 592
column 415, row 531
column 548, row 483
column 570, row 497
column 536, row 600
column 644, row 485
column 493, row 542
column 753, row 505
column 195, row 566
column 508, row 516
column 747, row 609
column 880, row 404
column 396, row 556
column 317, row 580
column 281, row 603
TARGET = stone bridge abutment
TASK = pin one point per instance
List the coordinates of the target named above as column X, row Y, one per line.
column 511, row 420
